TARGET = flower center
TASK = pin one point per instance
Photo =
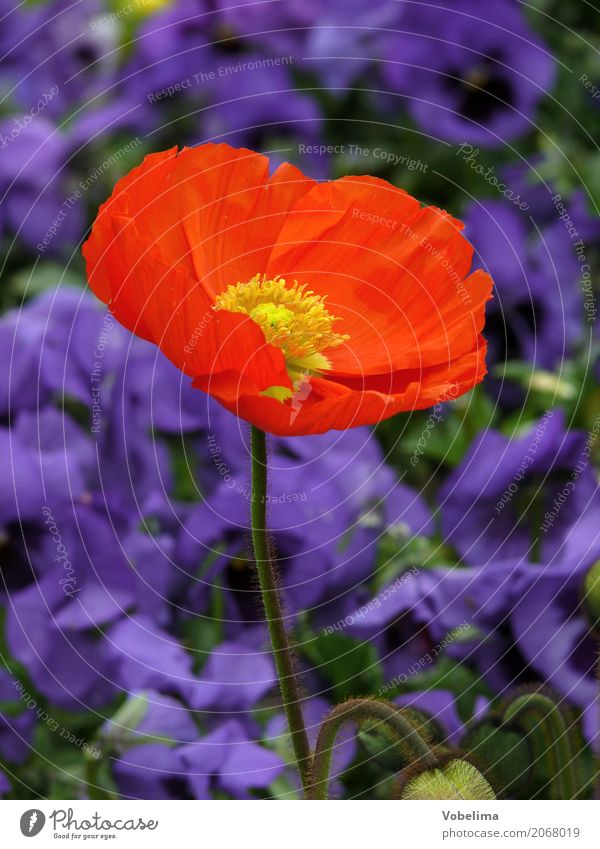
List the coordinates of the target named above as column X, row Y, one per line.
column 292, row 318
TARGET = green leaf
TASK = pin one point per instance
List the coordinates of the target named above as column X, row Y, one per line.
column 126, row 719
column 184, row 466
column 348, row 665
column 507, row 755
column 32, row 281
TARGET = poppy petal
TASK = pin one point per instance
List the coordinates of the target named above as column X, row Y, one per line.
column 330, row 405
column 212, row 209
column 393, row 272
column 182, row 227
column 167, row 307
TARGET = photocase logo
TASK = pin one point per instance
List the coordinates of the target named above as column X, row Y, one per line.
column 32, row 822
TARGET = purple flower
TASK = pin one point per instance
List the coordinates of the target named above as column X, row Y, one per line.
column 336, row 40
column 99, row 136
column 147, row 715
column 163, row 755
column 35, row 197
column 157, row 576
column 347, row 37
column 147, row 657
column 537, row 310
column 143, row 737
column 17, row 725
column 234, row 678
column 441, row 599
column 228, row 758
column 455, row 612
column 5, row 786
column 150, row 771
column 172, row 47
column 508, row 619
column 552, row 632
column 253, row 102
column 134, row 463
column 72, row 669
column 329, row 504
column 88, row 579
column 53, row 345
column 519, row 497
column 159, row 395
column 47, row 458
column 440, row 705
column 39, row 460
column 60, row 47
column 555, row 620
column 470, row 72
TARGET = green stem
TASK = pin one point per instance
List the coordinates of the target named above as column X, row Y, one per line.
column 280, row 644
column 536, row 713
column 95, row 789
column 357, row 710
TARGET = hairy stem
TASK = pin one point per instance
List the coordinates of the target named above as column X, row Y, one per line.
column 280, row 644
column 357, row 710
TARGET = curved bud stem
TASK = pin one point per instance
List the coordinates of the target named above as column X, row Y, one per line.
column 536, row 714
column 359, row 710
column 280, row 644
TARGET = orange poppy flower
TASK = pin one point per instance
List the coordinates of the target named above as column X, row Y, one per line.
column 300, row 306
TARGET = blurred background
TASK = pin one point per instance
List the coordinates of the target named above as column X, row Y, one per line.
column 446, row 560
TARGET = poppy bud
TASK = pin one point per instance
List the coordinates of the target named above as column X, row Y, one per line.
column 455, row 779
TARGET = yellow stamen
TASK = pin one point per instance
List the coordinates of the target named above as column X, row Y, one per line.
column 145, row 7
column 292, row 319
